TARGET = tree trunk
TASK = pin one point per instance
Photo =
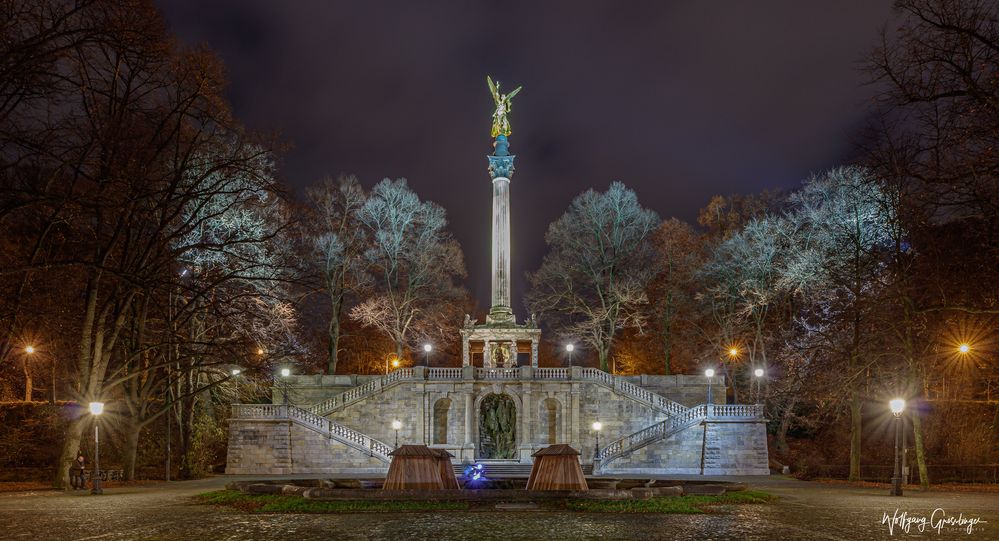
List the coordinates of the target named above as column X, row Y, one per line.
column 604, row 356
column 132, row 432
column 334, row 344
column 785, row 425
column 917, row 433
column 28, row 386
column 70, row 447
column 855, row 427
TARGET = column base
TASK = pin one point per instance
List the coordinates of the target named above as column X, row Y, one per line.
column 500, row 314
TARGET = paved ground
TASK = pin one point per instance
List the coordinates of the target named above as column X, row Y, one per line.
column 805, row 511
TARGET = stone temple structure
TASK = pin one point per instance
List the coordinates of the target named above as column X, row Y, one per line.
column 499, row 407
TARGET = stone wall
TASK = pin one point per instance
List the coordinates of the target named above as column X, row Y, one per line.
column 736, row 448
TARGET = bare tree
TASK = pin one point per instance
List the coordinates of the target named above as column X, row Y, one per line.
column 601, row 259
column 337, row 245
column 414, row 262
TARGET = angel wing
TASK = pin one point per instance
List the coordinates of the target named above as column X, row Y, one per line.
column 512, row 94
column 493, row 89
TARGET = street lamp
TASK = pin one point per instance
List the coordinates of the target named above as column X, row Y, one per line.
column 96, row 409
column 236, row 372
column 285, row 372
column 396, row 425
column 395, row 362
column 963, row 348
column 597, row 425
column 29, row 350
column 759, row 378
column 709, row 373
column 897, row 407
column 733, row 352
column 569, row 348
column 260, row 351
column 427, row 348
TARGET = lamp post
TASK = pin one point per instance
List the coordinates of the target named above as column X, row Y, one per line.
column 96, row 409
column 759, row 379
column 569, row 348
column 285, row 372
column 897, row 407
column 396, row 425
column 597, row 425
column 427, row 348
column 709, row 373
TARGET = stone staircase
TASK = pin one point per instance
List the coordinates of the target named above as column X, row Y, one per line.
column 330, row 429
column 673, row 425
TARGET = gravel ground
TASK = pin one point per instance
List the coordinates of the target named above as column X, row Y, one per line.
column 805, row 511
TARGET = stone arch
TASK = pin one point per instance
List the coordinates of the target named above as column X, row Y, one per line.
column 550, row 421
column 497, row 425
column 442, row 409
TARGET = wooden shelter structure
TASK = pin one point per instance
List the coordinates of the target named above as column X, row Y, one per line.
column 448, row 479
column 557, row 468
column 418, row 467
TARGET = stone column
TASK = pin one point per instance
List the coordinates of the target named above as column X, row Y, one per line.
column 501, row 170
column 487, row 361
column 512, row 361
column 526, row 437
column 469, row 415
column 534, row 352
column 466, row 359
column 576, row 421
column 501, row 247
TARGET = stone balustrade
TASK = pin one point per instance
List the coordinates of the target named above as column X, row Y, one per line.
column 523, row 373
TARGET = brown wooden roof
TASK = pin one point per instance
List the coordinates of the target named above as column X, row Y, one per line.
column 557, row 449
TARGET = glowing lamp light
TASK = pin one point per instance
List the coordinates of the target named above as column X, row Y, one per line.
column 260, row 351
column 97, row 408
column 964, row 348
column 897, row 406
column 285, row 372
column 396, row 425
column 710, row 372
column 236, row 371
column 428, row 348
column 733, row 352
column 758, row 372
column 29, row 350
column 597, row 426
column 569, row 347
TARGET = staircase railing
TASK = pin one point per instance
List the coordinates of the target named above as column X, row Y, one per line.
column 634, row 391
column 666, row 428
column 361, row 391
column 322, row 425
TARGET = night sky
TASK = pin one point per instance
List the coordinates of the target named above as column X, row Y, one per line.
column 680, row 101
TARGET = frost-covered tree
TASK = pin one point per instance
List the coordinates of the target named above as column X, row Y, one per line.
column 414, row 263
column 337, row 242
column 837, row 265
column 601, row 259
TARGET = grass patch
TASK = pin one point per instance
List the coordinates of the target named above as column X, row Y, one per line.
column 274, row 503
column 670, row 504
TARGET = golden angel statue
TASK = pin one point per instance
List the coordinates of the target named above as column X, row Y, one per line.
column 501, row 126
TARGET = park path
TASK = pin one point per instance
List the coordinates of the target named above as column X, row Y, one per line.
column 166, row 512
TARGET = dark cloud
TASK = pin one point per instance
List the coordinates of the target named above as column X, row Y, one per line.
column 679, row 101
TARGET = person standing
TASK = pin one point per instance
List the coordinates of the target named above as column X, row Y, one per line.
column 76, row 473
